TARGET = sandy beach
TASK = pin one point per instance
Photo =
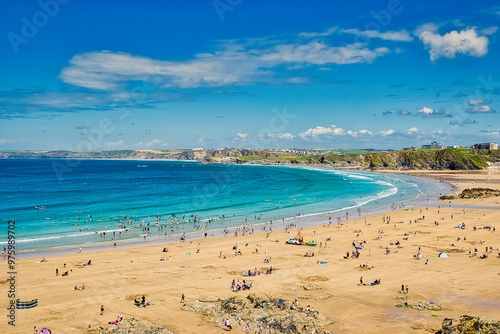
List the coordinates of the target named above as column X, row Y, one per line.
column 462, row 283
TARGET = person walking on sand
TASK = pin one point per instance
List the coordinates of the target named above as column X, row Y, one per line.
column 182, row 299
column 361, row 280
column 102, row 309
column 407, row 289
column 402, row 288
column 227, row 324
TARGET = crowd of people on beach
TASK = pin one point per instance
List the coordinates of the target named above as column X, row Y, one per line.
column 358, row 246
column 241, row 286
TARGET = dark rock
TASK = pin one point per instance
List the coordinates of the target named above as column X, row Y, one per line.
column 136, row 326
column 469, row 325
column 257, row 310
column 473, row 193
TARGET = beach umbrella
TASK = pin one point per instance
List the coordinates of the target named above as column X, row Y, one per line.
column 44, row 331
column 358, row 247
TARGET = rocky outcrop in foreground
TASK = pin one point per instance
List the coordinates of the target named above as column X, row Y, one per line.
column 136, row 326
column 249, row 310
column 423, row 305
column 474, row 193
column 469, row 325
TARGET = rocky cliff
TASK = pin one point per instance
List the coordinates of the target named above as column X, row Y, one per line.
column 447, row 159
column 405, row 160
column 118, row 154
column 441, row 159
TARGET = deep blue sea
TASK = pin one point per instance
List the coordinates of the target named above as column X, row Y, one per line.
column 79, row 200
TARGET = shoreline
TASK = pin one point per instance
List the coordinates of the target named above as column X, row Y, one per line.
column 307, row 220
column 462, row 284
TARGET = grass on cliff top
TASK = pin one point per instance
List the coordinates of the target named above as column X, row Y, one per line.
column 279, row 158
column 251, row 158
column 162, row 151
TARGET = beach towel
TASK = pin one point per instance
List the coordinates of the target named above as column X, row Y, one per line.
column 26, row 305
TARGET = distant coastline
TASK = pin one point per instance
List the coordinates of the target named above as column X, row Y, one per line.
column 445, row 159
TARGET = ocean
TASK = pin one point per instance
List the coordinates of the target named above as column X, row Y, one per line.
column 67, row 204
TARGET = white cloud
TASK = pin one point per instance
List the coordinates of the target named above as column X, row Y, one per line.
column 155, row 143
column 338, row 131
column 403, row 112
column 463, row 122
column 287, row 136
column 411, row 130
column 489, row 30
column 233, row 64
column 299, row 80
column 241, row 136
column 431, row 113
column 466, row 42
column 111, row 145
column 475, row 102
column 317, row 53
column 491, row 11
column 480, row 109
column 426, row 110
column 365, row 132
column 337, row 134
column 398, row 36
column 329, row 32
column 318, row 132
column 386, row 132
column 7, row 141
column 275, row 136
column 427, row 27
column 491, row 133
column 441, row 134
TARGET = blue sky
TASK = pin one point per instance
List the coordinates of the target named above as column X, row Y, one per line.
column 104, row 75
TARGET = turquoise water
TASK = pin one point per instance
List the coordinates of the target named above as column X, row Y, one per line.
column 80, row 200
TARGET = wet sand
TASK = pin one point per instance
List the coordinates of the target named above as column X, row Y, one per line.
column 462, row 284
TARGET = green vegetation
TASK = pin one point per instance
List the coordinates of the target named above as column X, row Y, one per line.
column 251, row 158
